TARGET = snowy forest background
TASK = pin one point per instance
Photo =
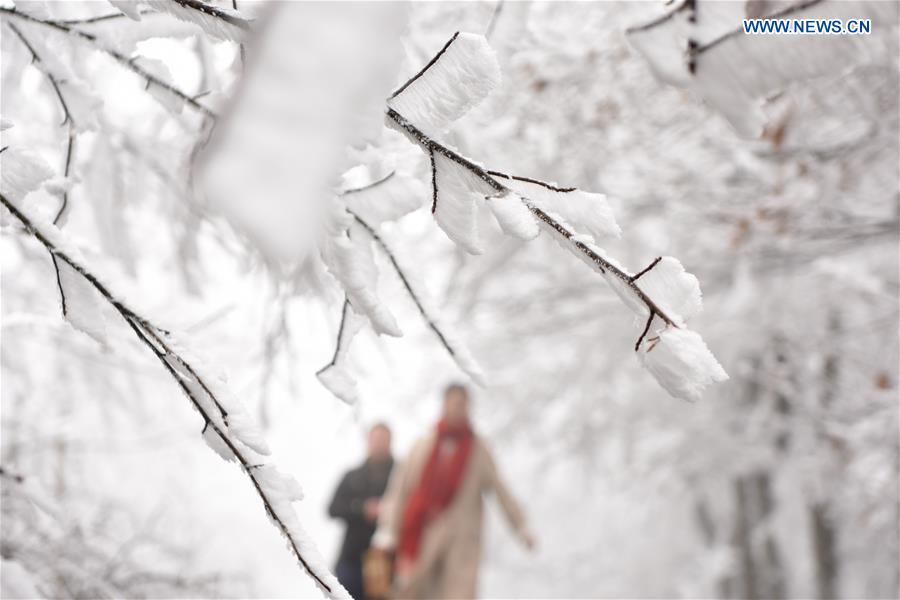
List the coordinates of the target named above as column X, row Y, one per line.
column 781, row 482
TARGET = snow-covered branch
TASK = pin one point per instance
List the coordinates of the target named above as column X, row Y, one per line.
column 227, row 428
column 420, row 297
column 55, row 83
column 460, row 75
column 349, row 256
column 123, row 60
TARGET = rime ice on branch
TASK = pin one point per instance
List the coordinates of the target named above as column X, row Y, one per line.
column 662, row 296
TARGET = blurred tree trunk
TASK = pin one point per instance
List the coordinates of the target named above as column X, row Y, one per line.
column 707, row 525
column 824, row 555
column 760, row 572
column 760, row 569
column 824, row 533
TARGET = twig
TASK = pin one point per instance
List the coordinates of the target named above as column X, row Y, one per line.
column 426, row 67
column 646, row 269
column 434, row 188
column 429, row 320
column 340, row 337
column 369, row 186
column 495, row 16
column 637, row 344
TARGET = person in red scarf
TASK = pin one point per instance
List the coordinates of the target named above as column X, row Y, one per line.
column 433, row 507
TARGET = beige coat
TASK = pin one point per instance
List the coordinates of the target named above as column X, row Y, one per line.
column 450, row 549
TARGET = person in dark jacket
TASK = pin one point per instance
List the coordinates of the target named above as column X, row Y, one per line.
column 357, row 501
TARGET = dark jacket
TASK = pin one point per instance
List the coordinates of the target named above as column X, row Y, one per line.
column 369, row 480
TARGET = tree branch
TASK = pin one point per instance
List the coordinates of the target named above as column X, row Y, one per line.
column 151, row 336
column 123, row 60
column 646, row 269
column 432, row 146
column 67, row 115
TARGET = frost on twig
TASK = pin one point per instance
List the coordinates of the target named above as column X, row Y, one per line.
column 359, row 212
column 227, row 428
column 335, row 375
column 575, row 219
column 418, row 293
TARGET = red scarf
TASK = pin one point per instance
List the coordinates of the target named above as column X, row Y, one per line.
column 437, row 485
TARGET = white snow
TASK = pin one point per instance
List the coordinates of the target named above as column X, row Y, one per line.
column 513, row 216
column 397, row 195
column 197, row 377
column 675, row 291
column 84, row 306
column 17, row 582
column 680, row 361
column 434, row 316
column 677, row 357
column 22, row 172
column 217, row 444
column 130, row 8
column 58, row 58
column 464, row 74
column 336, row 377
column 459, row 193
column 587, row 212
column 170, row 101
column 348, row 257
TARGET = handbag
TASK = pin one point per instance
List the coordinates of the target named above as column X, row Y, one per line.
column 377, row 574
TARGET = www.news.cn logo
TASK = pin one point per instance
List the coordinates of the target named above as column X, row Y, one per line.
column 808, row 26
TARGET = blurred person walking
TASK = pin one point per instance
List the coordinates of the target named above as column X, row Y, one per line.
column 432, row 517
column 357, row 501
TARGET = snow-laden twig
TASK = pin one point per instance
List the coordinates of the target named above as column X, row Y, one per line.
column 123, row 60
column 67, row 116
column 233, row 440
column 334, row 376
column 457, row 352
